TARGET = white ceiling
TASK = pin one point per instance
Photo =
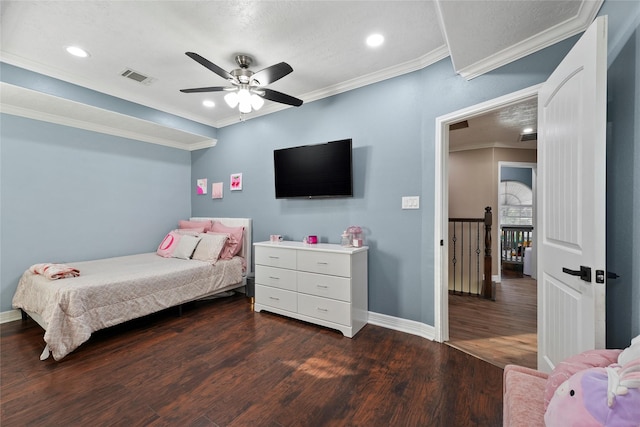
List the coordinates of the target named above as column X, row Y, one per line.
column 324, row 42
column 499, row 128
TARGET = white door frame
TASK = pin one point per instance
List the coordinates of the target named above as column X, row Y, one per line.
column 533, row 167
column 441, row 202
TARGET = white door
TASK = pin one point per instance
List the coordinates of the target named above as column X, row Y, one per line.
column 571, row 220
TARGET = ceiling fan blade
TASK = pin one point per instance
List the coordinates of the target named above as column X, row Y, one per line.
column 206, row 89
column 210, row 65
column 283, row 98
column 271, row 74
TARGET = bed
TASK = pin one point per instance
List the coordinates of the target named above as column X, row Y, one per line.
column 114, row 290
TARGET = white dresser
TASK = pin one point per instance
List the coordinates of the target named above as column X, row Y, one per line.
column 323, row 283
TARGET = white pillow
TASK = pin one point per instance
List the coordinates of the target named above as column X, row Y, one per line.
column 209, row 247
column 186, row 246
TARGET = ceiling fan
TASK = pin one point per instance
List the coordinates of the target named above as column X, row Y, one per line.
column 248, row 88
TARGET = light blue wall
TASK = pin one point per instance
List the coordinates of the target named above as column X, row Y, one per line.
column 72, row 195
column 522, row 175
column 623, row 176
column 153, row 186
column 392, row 124
column 38, row 82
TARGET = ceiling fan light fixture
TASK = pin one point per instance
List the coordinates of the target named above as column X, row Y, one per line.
column 256, row 102
column 244, row 100
column 231, row 99
column 245, row 108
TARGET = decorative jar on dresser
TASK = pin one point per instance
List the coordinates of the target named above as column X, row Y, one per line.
column 325, row 284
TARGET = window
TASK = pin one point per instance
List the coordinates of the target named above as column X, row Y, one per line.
column 516, row 203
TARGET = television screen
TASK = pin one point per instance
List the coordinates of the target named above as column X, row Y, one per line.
column 321, row 170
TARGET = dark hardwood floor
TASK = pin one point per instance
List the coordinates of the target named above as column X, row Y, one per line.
column 221, row 364
column 502, row 331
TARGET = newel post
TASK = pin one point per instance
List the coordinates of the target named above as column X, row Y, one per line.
column 487, row 288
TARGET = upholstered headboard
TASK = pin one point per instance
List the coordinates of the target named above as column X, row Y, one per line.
column 247, row 242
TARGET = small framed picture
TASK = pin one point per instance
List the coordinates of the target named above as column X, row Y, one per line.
column 236, row 182
column 216, row 190
column 201, row 185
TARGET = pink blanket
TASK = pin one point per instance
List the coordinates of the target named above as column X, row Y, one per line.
column 54, row 271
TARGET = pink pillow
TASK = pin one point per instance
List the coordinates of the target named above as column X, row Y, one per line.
column 234, row 244
column 190, row 231
column 195, row 224
column 577, row 363
column 169, row 244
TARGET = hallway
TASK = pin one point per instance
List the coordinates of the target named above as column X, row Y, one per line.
column 500, row 332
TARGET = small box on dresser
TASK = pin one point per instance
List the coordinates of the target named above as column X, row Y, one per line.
column 325, row 284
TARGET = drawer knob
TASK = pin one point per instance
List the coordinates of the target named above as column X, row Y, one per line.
column 275, row 278
column 274, row 257
column 324, row 310
column 322, row 286
column 323, row 263
column 274, row 298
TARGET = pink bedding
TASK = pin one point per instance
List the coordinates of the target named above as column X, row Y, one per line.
column 115, row 290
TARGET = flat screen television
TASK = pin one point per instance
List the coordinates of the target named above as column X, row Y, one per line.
column 308, row 171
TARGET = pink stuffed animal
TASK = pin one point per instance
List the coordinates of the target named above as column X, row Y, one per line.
column 598, row 397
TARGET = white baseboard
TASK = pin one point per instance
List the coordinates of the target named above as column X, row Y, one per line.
column 396, row 323
column 10, row 316
column 403, row 325
column 496, row 278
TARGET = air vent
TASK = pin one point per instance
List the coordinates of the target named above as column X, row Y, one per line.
column 529, row 137
column 138, row 77
column 460, row 125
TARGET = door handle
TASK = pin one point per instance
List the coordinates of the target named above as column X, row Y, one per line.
column 584, row 273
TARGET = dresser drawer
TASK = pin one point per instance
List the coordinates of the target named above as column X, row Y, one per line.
column 332, row 263
column 325, row 286
column 278, row 298
column 276, row 277
column 276, row 257
column 325, row 309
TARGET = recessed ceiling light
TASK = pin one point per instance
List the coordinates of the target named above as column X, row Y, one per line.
column 375, row 40
column 77, row 51
column 527, row 130
column 208, row 103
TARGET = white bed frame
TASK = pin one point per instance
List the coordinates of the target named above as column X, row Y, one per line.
column 247, row 246
column 247, row 243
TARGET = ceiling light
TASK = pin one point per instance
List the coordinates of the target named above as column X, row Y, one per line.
column 375, row 40
column 77, row 51
column 208, row 103
column 231, row 99
column 527, row 130
column 244, row 99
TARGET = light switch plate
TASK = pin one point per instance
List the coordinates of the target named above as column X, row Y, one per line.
column 411, row 202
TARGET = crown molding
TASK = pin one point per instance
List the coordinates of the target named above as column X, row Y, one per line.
column 44, row 107
column 385, row 74
column 555, row 34
column 486, row 145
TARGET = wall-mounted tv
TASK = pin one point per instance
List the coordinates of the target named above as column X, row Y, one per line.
column 320, row 170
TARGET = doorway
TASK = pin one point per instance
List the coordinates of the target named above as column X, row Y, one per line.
column 444, row 142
